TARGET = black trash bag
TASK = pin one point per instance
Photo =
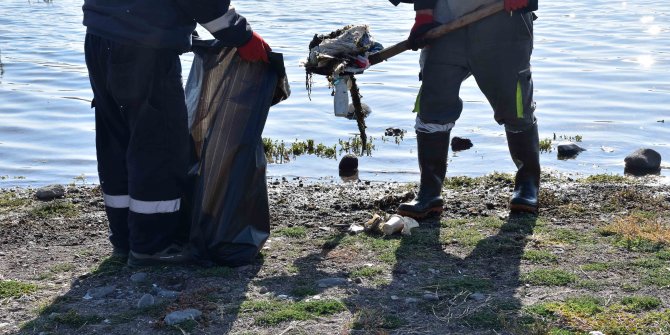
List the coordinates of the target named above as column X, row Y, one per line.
column 228, row 102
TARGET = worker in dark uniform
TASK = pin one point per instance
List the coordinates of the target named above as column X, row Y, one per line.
column 142, row 139
column 496, row 51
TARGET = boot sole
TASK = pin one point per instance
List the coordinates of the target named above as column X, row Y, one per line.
column 521, row 208
column 414, row 215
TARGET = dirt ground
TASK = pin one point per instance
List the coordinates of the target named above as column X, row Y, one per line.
column 595, row 259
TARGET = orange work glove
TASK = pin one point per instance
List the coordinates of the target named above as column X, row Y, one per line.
column 254, row 50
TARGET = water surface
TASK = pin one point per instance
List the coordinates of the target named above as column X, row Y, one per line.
column 601, row 68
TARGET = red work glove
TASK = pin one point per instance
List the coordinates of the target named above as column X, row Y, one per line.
column 422, row 24
column 512, row 5
column 254, row 50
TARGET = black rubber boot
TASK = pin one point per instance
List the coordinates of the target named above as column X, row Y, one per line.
column 432, row 151
column 524, row 147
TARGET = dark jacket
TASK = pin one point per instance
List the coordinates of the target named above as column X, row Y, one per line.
column 430, row 4
column 164, row 24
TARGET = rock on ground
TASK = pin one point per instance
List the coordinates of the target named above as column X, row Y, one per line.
column 643, row 162
column 50, row 192
column 178, row 317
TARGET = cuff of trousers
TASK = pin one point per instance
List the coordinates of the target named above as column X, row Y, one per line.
column 430, row 128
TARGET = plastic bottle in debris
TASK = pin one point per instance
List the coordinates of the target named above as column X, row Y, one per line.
column 341, row 96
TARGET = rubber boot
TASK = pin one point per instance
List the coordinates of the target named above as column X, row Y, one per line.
column 432, row 151
column 524, row 147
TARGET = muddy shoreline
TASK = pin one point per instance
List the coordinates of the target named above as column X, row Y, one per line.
column 477, row 269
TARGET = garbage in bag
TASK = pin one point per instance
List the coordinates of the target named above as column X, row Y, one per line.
column 228, row 103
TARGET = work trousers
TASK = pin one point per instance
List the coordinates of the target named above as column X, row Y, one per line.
column 142, row 141
column 496, row 51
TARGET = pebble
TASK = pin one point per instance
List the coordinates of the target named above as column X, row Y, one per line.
column 138, row 277
column 181, row 316
column 167, row 294
column 282, row 297
column 411, row 300
column 596, row 333
column 50, row 192
column 263, row 290
column 145, row 301
column 478, row 296
column 99, row 292
column 330, row 282
column 394, row 297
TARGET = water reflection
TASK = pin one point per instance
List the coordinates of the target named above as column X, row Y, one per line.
column 646, row 61
column 654, row 30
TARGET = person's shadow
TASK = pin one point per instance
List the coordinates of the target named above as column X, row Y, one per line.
column 446, row 278
column 112, row 298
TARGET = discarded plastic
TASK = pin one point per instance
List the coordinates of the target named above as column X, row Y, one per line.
column 400, row 224
column 373, row 223
column 408, row 226
column 341, row 95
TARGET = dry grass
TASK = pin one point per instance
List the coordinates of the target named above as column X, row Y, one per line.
column 641, row 226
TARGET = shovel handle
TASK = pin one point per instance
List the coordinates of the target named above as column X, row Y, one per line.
column 436, row 32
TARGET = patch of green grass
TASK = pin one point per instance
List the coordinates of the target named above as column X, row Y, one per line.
column 373, row 320
column 640, row 303
column 648, row 263
column 663, row 254
column 568, row 236
column 15, row 289
column 583, row 314
column 216, row 271
column 76, row 320
column 304, row 291
column 455, row 285
column 629, row 287
column 463, row 232
column 10, row 201
column 273, row 312
column 549, row 277
column 545, row 145
column 292, row 232
column 459, row 182
column 366, row 272
column 485, row 318
column 109, row 265
column 597, row 266
column 56, row 269
column 56, row 208
column 539, row 257
column 585, row 305
column 592, row 285
column 386, row 248
column 658, row 277
column 605, row 179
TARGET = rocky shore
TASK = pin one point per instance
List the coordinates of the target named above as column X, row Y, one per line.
column 596, row 259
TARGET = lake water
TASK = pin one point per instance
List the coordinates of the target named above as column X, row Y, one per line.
column 601, row 68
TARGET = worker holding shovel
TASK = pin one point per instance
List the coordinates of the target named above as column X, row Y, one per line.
column 496, row 50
